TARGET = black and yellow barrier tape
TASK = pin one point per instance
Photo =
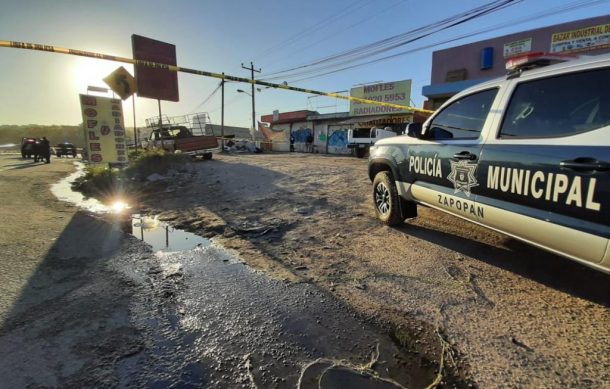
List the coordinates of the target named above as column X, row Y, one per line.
column 174, row 68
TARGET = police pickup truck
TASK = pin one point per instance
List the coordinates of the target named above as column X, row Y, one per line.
column 527, row 155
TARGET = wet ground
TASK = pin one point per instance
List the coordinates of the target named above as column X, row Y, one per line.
column 94, row 306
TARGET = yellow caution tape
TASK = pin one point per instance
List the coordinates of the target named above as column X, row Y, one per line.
column 174, row 68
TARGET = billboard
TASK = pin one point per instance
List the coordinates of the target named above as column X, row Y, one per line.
column 397, row 92
column 104, row 129
column 155, row 83
column 583, row 39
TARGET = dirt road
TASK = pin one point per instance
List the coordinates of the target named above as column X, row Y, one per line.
column 514, row 315
column 84, row 304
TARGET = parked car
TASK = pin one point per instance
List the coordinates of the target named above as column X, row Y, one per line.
column 27, row 147
column 527, row 155
column 66, row 149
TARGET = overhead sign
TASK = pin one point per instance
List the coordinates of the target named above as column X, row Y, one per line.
column 155, row 82
column 121, row 82
column 521, row 46
column 398, row 92
column 104, row 129
column 583, row 39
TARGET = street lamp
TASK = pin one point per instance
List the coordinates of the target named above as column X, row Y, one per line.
column 253, row 113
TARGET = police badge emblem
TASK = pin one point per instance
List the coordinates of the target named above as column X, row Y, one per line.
column 463, row 176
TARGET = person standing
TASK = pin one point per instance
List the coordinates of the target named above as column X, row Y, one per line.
column 291, row 142
column 310, row 143
column 45, row 149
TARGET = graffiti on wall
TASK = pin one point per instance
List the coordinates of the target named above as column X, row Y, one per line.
column 300, row 135
column 337, row 142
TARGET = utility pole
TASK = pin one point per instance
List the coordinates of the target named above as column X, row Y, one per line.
column 252, row 70
column 222, row 115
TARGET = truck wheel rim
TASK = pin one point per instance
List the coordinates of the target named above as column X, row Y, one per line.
column 382, row 198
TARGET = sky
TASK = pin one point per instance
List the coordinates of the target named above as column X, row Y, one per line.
column 218, row 36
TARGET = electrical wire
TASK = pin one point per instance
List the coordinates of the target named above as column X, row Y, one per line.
column 316, row 73
column 404, row 38
column 332, row 34
column 208, row 98
column 316, row 27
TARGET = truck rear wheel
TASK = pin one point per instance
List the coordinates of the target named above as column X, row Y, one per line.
column 390, row 208
column 360, row 153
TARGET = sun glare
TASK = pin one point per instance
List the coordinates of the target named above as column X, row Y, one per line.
column 119, row 206
column 89, row 71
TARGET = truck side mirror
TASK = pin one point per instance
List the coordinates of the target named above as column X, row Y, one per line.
column 414, row 130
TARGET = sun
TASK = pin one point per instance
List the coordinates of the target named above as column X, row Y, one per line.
column 91, row 71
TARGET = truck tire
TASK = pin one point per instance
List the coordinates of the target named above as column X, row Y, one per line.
column 390, row 208
column 360, row 153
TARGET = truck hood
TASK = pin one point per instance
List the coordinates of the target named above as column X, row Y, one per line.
column 403, row 140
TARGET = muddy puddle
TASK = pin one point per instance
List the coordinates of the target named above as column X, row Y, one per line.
column 63, row 191
column 219, row 323
column 161, row 236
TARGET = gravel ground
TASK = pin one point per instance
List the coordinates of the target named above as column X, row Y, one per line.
column 513, row 315
column 83, row 304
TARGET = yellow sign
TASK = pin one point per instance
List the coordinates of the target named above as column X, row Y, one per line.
column 583, row 39
column 104, row 129
column 395, row 94
column 121, row 82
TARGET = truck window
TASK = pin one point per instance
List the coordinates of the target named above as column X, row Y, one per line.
column 559, row 106
column 464, row 118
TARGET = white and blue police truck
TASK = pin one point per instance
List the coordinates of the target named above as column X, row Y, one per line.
column 527, row 155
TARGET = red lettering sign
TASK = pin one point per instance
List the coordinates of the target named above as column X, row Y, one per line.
column 91, row 123
column 88, row 100
column 92, row 136
column 105, row 130
column 96, row 158
column 90, row 112
column 95, row 146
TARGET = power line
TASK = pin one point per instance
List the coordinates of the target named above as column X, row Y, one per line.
column 404, row 38
column 562, row 9
column 332, row 34
column 344, row 12
column 207, row 99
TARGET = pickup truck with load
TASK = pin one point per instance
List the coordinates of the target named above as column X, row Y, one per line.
column 188, row 134
column 527, row 155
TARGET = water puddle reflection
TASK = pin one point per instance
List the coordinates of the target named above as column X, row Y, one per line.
column 163, row 237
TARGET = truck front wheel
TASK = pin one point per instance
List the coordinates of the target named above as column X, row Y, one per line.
column 389, row 207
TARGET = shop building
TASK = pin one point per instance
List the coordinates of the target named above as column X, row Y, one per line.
column 330, row 130
column 458, row 68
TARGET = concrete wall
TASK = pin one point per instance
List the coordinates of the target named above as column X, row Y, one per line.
column 468, row 56
column 300, row 131
column 281, row 137
column 337, row 139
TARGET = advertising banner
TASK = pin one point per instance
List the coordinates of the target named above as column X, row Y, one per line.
column 397, row 92
column 521, row 46
column 583, row 39
column 104, row 129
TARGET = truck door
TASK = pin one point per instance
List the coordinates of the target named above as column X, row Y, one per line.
column 445, row 171
column 547, row 170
